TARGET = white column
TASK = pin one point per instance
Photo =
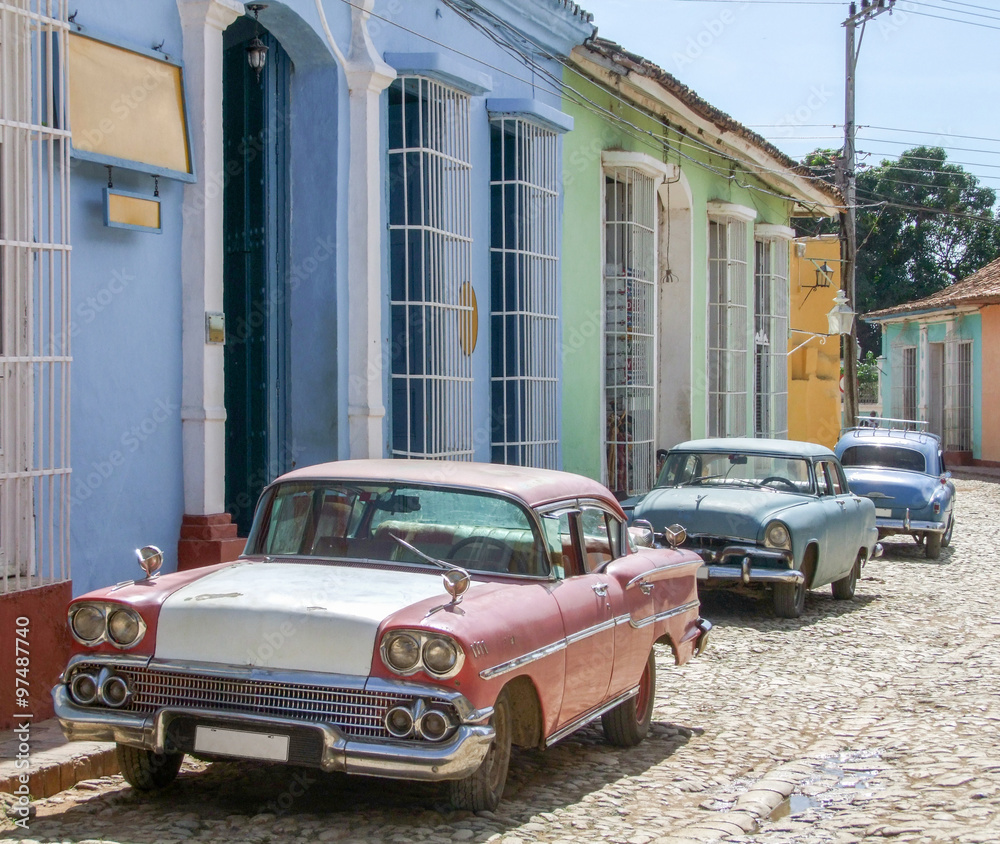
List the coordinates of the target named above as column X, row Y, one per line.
column 203, row 411
column 923, row 374
column 367, row 76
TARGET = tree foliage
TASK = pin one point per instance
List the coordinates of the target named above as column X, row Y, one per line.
column 922, row 224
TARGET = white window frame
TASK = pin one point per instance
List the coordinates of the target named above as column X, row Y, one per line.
column 729, row 285
column 524, row 253
column 771, row 273
column 34, row 296
column 431, row 312
column 630, row 294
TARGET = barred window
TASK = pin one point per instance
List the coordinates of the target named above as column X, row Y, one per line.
column 958, row 396
column 34, row 305
column 524, row 284
column 771, row 338
column 904, row 381
column 727, row 327
column 431, row 297
column 629, row 310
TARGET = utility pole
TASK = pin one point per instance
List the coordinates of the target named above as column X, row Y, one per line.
column 869, row 10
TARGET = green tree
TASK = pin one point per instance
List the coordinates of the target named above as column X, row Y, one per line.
column 922, row 224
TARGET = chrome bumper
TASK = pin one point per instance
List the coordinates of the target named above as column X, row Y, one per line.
column 907, row 525
column 735, row 562
column 455, row 758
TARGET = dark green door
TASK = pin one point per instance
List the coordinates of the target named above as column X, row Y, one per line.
column 255, row 235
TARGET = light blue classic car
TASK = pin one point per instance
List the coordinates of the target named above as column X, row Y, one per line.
column 900, row 467
column 763, row 514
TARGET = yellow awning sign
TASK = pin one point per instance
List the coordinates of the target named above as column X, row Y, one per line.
column 132, row 211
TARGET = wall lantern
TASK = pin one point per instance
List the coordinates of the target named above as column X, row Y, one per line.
column 840, row 320
column 256, row 50
column 824, row 275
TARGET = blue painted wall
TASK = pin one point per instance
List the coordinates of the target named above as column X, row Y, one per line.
column 127, row 485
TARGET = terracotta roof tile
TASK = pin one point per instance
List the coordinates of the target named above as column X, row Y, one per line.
column 980, row 288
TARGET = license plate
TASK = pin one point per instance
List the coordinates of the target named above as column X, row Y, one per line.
column 883, row 511
column 241, row 743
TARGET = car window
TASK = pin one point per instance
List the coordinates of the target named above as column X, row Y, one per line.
column 601, row 535
column 828, row 478
column 740, row 469
column 884, row 457
column 478, row 531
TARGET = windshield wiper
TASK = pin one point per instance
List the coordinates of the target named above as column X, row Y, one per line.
column 445, row 565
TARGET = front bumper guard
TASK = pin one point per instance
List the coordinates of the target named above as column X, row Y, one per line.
column 742, row 569
column 458, row 757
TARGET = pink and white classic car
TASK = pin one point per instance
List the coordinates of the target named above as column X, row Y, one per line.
column 403, row 619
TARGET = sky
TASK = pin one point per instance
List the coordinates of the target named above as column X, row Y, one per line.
column 928, row 73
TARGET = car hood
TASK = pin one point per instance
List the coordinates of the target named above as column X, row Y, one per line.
column 738, row 513
column 296, row 616
column 893, row 488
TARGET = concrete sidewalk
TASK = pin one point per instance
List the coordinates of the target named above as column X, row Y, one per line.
column 54, row 764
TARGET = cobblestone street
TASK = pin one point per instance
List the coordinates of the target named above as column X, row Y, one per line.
column 865, row 720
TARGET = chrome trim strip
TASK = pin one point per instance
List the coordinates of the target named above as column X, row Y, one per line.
column 547, row 650
column 587, row 717
column 752, row 551
column 524, row 659
column 663, row 616
column 660, row 573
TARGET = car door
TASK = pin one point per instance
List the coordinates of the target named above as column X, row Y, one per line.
column 840, row 530
column 586, row 599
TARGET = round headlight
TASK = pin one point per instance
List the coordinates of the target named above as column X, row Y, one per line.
column 402, row 653
column 440, row 655
column 87, row 623
column 777, row 535
column 123, row 627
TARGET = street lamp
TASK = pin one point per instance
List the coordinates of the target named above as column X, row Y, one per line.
column 841, row 317
column 256, row 50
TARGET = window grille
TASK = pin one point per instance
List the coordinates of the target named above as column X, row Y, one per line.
column 904, row 382
column 430, row 270
column 958, row 397
column 771, row 338
column 524, row 290
column 727, row 328
column 629, row 325
column 34, row 295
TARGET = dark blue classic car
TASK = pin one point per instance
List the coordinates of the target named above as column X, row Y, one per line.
column 900, row 467
column 763, row 514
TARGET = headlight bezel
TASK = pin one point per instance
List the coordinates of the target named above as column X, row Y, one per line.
column 422, row 639
column 105, row 610
column 777, row 535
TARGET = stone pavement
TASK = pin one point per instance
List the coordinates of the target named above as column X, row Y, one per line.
column 875, row 719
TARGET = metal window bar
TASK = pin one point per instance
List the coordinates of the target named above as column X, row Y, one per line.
column 771, row 338
column 958, row 396
column 524, row 294
column 34, row 295
column 904, row 382
column 727, row 329
column 431, row 260
column 629, row 330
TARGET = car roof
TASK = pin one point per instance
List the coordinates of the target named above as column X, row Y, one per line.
column 532, row 486
column 923, row 441
column 754, row 445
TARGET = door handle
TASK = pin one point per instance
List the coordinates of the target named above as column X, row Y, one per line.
column 601, row 589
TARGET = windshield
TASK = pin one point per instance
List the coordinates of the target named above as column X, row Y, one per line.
column 736, row 469
column 884, row 457
column 478, row 531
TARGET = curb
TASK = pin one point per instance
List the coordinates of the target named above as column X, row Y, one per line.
column 48, row 778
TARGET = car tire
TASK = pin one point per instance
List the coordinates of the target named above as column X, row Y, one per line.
column 843, row 589
column 790, row 598
column 932, row 546
column 946, row 539
column 481, row 792
column 145, row 770
column 628, row 723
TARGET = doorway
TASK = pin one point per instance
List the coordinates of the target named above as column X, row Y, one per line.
column 255, row 237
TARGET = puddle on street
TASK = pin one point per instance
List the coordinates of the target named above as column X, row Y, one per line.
column 837, row 780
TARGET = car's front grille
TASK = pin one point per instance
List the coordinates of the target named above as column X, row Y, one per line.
column 355, row 713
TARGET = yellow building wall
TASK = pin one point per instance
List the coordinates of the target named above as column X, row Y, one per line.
column 814, row 398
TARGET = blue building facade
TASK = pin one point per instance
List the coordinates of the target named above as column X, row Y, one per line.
column 375, row 220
